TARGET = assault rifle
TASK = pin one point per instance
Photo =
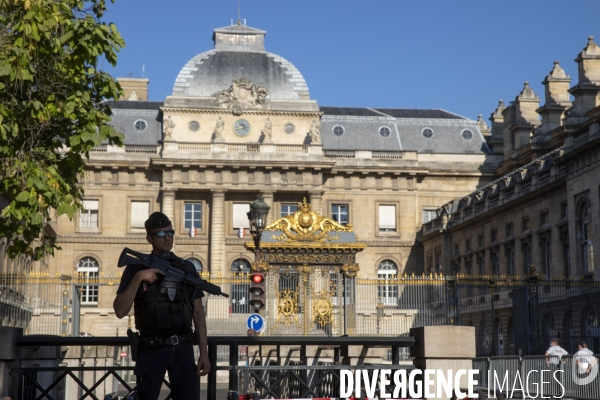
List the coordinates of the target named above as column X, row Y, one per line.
column 173, row 272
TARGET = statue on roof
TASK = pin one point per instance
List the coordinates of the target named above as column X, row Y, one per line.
column 267, row 131
column 242, row 95
column 315, row 132
column 218, row 133
column 168, row 126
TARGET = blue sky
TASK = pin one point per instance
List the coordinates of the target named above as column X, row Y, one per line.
column 458, row 55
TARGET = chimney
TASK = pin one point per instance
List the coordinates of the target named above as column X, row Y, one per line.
column 134, row 89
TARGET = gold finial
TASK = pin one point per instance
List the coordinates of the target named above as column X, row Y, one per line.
column 304, row 206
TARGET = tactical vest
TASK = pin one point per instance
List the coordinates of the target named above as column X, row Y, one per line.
column 156, row 313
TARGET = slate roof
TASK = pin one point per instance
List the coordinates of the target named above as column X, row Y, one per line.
column 126, row 113
column 362, row 127
column 392, row 112
column 213, row 71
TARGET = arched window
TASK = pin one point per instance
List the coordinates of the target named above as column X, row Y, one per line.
column 430, row 262
column 586, row 248
column 240, row 292
column 387, row 292
column 87, row 270
column 197, row 263
column 240, row 265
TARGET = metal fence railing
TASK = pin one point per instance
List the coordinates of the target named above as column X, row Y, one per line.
column 568, row 376
column 512, row 315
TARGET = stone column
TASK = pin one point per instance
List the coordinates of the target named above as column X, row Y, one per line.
column 268, row 198
column 168, row 205
column 217, row 232
column 432, row 349
column 315, row 200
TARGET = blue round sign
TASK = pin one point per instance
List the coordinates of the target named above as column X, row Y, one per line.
column 256, row 322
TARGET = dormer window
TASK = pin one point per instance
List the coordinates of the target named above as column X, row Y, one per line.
column 140, row 125
column 467, row 134
column 338, row 130
column 427, row 133
column 384, row 131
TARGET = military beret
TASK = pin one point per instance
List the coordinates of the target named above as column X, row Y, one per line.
column 156, row 220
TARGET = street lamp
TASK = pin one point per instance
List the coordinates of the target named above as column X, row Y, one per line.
column 380, row 313
column 258, row 221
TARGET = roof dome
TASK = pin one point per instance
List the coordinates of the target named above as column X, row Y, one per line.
column 240, row 53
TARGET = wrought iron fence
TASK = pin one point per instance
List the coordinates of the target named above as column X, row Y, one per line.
column 512, row 315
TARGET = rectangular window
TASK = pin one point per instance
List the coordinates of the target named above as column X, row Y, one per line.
column 525, row 224
column 494, row 235
column 387, row 218
column 288, row 209
column 192, row 215
column 480, row 240
column 429, row 214
column 139, row 213
column 509, row 229
column 544, row 217
column 468, row 245
column 339, row 213
column 546, row 256
column 240, row 216
column 510, row 260
column 456, row 249
column 88, row 217
column 564, row 210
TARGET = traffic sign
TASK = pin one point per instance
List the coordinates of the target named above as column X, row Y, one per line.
column 256, row 322
column 123, row 354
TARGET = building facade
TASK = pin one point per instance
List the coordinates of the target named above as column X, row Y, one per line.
column 240, row 122
column 541, row 215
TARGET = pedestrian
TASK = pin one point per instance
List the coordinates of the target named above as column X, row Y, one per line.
column 164, row 312
column 584, row 358
column 555, row 352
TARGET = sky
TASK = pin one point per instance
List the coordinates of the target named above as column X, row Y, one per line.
column 458, row 55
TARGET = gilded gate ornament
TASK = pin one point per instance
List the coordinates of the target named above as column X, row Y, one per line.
column 322, row 308
column 306, row 225
column 287, row 307
column 350, row 269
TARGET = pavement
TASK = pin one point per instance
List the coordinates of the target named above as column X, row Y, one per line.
column 222, row 389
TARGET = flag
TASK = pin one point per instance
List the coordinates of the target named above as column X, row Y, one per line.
column 192, row 232
column 241, row 233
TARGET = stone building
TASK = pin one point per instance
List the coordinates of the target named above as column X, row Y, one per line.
column 240, row 122
column 542, row 210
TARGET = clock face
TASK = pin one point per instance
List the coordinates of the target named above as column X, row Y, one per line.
column 241, row 127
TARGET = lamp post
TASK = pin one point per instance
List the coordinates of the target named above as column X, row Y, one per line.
column 380, row 313
column 258, row 221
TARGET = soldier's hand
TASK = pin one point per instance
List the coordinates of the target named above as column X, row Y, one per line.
column 203, row 366
column 149, row 275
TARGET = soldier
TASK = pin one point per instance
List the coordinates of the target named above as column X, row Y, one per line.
column 164, row 312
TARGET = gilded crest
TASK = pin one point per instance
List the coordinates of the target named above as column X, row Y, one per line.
column 306, row 225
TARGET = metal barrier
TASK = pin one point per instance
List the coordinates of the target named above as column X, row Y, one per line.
column 288, row 365
column 536, row 376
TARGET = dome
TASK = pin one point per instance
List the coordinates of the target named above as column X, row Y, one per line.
column 240, row 53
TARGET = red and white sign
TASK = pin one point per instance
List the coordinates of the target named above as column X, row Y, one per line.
column 123, row 354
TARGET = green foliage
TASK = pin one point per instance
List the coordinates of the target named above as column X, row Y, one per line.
column 51, row 111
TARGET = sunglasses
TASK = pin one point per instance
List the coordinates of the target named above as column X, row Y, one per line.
column 162, row 234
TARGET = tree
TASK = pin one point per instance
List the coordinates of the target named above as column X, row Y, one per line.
column 51, row 111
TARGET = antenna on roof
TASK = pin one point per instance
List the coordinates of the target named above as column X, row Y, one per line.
column 143, row 70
